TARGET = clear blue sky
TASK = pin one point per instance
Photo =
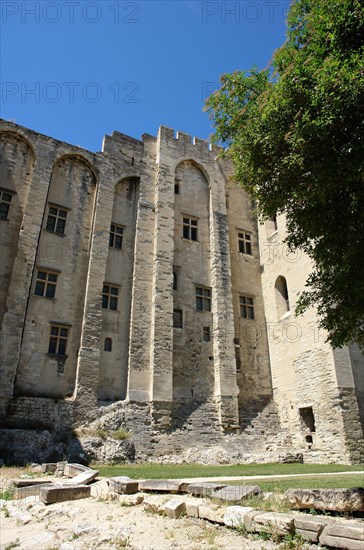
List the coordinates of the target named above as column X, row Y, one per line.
column 79, row 69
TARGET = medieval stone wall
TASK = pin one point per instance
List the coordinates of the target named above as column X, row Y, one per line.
column 138, row 275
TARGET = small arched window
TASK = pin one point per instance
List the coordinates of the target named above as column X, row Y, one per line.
column 282, row 298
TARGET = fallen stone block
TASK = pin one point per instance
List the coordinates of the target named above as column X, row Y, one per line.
column 192, row 506
column 124, row 486
column 84, row 478
column 236, row 493
column 162, row 485
column 60, row 467
column 61, row 493
column 204, row 489
column 272, row 522
column 28, row 482
column 155, row 503
column 72, row 470
column 49, row 467
column 30, row 490
column 249, row 520
column 234, row 515
column 131, row 500
column 339, row 500
column 174, row 508
column 211, row 512
column 310, row 528
column 348, row 536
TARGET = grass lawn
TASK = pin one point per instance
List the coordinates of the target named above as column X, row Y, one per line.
column 312, row 482
column 175, row 471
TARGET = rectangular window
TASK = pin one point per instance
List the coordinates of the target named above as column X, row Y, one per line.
column 206, row 337
column 203, row 298
column 175, row 281
column 246, row 307
column 245, row 243
column 56, row 221
column 5, row 200
column 58, row 340
column 108, row 344
column 45, row 284
column 116, row 236
column 190, row 229
column 177, row 318
column 110, row 297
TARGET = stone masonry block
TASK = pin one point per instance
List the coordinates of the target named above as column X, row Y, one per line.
column 155, row 503
column 71, row 470
column 348, row 536
column 50, row 495
column 124, row 486
column 159, row 485
column 204, row 489
column 273, row 522
column 83, row 478
column 49, row 467
column 211, row 512
column 310, row 528
column 174, row 508
column 234, row 515
column 192, row 506
column 236, row 493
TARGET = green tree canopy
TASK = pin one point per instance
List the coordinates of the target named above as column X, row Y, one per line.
column 295, row 134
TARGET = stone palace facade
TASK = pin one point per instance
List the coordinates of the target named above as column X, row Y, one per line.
column 139, row 274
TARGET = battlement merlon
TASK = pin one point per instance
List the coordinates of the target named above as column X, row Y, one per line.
column 188, row 146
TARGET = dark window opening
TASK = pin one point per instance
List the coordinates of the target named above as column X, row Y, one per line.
column 56, row 221
column 45, row 284
column 116, row 236
column 58, row 340
column 177, row 318
column 108, row 344
column 110, row 297
column 246, row 307
column 206, row 335
column 175, row 281
column 190, row 229
column 203, row 298
column 245, row 243
column 308, row 418
column 5, row 200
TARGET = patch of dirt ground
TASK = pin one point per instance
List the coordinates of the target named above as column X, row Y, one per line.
column 100, row 523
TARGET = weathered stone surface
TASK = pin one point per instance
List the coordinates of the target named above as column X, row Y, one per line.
column 124, row 486
column 174, row 508
column 133, row 182
column 236, row 493
column 73, row 469
column 49, row 467
column 83, row 478
column 234, row 515
column 155, row 503
column 49, row 495
column 345, row 535
column 275, row 521
column 211, row 512
column 102, row 451
column 310, row 528
column 131, row 500
column 30, row 481
column 339, row 500
column 162, row 485
column 204, row 489
column 30, row 490
column 192, row 505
